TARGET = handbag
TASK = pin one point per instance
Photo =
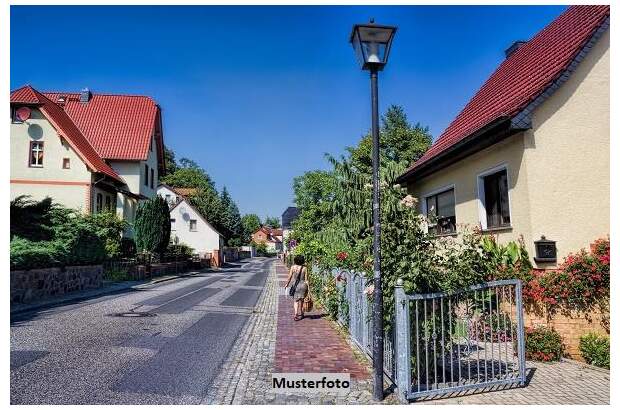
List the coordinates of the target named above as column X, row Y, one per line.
column 308, row 304
column 291, row 291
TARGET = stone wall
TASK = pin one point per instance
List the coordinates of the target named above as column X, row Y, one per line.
column 34, row 284
column 570, row 324
column 139, row 272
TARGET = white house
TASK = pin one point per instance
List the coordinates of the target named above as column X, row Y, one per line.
column 87, row 151
column 189, row 226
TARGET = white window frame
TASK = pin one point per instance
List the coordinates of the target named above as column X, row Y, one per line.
column 173, row 224
column 433, row 193
column 482, row 210
column 190, row 225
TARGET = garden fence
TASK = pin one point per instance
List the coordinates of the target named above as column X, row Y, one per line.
column 441, row 343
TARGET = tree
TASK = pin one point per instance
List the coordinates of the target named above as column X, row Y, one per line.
column 250, row 223
column 231, row 218
column 152, row 225
column 272, row 222
column 399, row 142
column 170, row 162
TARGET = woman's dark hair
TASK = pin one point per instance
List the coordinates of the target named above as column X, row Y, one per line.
column 299, row 260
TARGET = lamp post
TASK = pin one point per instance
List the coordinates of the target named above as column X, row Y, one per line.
column 372, row 43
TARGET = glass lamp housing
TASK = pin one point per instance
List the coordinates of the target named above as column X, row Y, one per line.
column 372, row 43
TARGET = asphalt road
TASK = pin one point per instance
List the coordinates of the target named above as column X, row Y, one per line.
column 162, row 344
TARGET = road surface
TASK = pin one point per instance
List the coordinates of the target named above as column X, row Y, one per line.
column 162, row 344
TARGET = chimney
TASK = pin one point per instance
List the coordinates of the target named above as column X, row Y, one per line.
column 514, row 47
column 85, row 95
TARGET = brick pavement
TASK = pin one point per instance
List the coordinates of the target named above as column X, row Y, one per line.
column 245, row 377
column 311, row 344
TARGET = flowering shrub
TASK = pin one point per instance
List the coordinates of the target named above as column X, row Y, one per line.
column 580, row 281
column 543, row 344
column 595, row 349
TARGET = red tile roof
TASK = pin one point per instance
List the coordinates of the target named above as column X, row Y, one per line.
column 65, row 127
column 117, row 126
column 25, row 95
column 523, row 76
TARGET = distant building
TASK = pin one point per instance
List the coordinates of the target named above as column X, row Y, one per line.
column 288, row 217
column 271, row 237
column 189, row 226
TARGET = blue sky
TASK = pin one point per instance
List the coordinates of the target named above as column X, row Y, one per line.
column 257, row 95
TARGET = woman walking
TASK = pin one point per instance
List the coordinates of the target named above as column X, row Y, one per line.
column 299, row 275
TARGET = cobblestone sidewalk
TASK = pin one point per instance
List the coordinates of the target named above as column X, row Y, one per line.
column 246, row 375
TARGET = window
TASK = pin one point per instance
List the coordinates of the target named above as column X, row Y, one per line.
column 172, row 224
column 493, row 194
column 192, row 225
column 441, row 213
column 168, row 198
column 36, row 154
column 146, row 175
column 108, row 203
column 66, row 163
column 152, row 177
column 99, row 203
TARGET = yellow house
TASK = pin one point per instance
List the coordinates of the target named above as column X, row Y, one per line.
column 528, row 156
column 92, row 152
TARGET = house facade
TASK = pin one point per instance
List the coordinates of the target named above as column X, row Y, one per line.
column 528, row 157
column 92, row 152
column 271, row 237
column 189, row 226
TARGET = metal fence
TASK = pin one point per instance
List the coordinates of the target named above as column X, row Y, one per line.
column 356, row 315
column 464, row 340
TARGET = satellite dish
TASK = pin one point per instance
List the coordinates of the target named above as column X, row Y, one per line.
column 23, row 113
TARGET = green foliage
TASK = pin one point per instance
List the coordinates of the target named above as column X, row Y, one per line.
column 595, row 349
column 170, row 161
column 261, row 249
column 152, row 225
column 26, row 254
column 31, row 219
column 178, row 251
column 231, row 219
column 543, row 344
column 272, row 222
column 251, row 223
column 109, row 227
column 128, row 248
column 399, row 141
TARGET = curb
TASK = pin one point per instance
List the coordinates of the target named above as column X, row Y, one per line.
column 113, row 288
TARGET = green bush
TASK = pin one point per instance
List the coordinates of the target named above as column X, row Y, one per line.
column 27, row 254
column 152, row 225
column 178, row 251
column 595, row 349
column 543, row 344
column 128, row 248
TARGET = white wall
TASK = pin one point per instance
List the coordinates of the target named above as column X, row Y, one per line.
column 204, row 239
column 163, row 191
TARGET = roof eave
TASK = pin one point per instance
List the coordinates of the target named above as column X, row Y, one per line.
column 486, row 136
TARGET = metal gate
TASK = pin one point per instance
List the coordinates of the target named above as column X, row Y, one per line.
column 359, row 319
column 464, row 340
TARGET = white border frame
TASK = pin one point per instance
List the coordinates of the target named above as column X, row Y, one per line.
column 482, row 211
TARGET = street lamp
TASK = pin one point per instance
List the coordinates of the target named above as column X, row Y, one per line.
column 372, row 44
